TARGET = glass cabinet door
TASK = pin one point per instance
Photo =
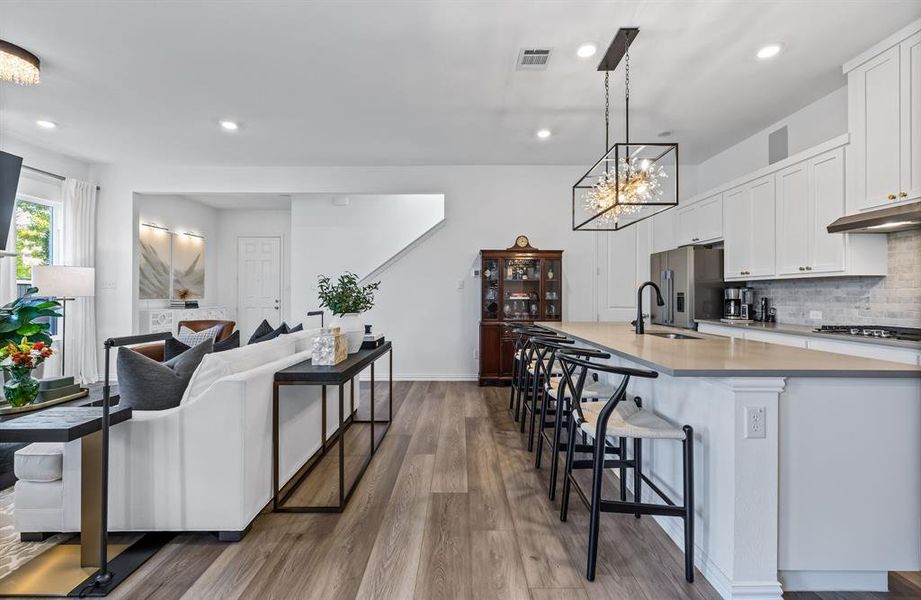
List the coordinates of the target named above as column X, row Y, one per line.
column 490, row 288
column 553, row 290
column 521, row 289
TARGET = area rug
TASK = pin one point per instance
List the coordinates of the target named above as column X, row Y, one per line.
column 13, row 552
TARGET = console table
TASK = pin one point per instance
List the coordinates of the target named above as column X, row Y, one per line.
column 68, row 569
column 305, row 373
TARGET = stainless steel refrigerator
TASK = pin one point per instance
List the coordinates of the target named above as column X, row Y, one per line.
column 691, row 280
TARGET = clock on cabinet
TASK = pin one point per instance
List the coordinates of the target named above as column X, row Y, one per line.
column 520, row 284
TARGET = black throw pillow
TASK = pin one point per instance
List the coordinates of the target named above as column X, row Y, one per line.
column 173, row 347
column 229, row 343
column 263, row 330
column 298, row 327
column 271, row 335
column 145, row 384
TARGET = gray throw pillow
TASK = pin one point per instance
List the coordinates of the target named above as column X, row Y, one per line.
column 263, row 330
column 145, row 384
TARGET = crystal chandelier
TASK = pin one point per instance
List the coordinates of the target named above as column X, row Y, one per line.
column 632, row 181
column 18, row 65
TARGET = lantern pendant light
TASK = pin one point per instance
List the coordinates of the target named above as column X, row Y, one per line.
column 632, row 181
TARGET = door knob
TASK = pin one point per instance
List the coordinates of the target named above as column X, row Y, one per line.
column 891, row 196
column 808, row 268
column 902, row 194
column 802, row 268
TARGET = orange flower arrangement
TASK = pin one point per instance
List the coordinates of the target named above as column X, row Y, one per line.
column 25, row 354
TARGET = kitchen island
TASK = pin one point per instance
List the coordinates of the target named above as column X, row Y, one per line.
column 823, row 493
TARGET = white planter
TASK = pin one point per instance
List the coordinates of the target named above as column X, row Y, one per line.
column 353, row 328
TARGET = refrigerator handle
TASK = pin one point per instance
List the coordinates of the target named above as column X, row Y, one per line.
column 669, row 308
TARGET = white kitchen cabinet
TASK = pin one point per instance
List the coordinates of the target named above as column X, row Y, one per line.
column 700, row 222
column 884, row 120
column 810, row 195
column 793, row 219
column 748, row 217
column 827, row 251
column 663, row 231
column 775, row 338
column 910, row 95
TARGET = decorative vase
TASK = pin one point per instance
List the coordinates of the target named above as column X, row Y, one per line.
column 20, row 387
column 353, row 328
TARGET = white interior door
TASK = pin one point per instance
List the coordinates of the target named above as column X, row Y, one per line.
column 258, row 283
column 622, row 264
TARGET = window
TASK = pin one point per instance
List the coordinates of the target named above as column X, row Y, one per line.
column 37, row 237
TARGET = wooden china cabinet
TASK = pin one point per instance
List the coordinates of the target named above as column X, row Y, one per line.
column 520, row 285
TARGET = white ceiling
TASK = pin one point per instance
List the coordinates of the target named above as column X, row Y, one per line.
column 415, row 82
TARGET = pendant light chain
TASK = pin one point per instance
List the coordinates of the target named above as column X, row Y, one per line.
column 607, row 112
column 627, row 87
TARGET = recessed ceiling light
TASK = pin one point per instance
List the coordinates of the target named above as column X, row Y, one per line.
column 45, row 124
column 229, row 125
column 769, row 51
column 586, row 50
column 543, row 133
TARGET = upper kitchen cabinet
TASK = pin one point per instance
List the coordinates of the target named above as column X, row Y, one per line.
column 748, row 212
column 884, row 120
column 810, row 195
column 663, row 231
column 700, row 222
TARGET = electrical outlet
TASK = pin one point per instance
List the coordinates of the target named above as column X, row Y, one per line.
column 460, row 284
column 476, row 274
column 476, row 355
column 754, row 422
column 815, row 314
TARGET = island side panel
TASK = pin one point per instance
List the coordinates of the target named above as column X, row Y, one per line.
column 850, row 481
column 736, row 478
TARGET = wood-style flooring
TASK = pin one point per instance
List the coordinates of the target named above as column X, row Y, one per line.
column 450, row 507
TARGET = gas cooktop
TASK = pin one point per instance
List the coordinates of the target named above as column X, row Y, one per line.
column 873, row 331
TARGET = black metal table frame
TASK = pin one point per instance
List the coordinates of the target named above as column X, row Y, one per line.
column 279, row 499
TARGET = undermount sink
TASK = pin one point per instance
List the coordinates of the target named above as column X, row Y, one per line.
column 672, row 336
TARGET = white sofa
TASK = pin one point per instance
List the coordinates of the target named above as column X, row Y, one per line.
column 205, row 465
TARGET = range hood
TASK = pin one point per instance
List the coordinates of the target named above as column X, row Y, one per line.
column 882, row 220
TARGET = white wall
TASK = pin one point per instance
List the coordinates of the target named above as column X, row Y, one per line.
column 815, row 123
column 234, row 224
column 360, row 236
column 432, row 322
column 179, row 215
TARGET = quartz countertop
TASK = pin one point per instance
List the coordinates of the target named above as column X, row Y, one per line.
column 809, row 331
column 720, row 356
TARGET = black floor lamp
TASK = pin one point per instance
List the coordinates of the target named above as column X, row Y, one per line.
column 64, row 284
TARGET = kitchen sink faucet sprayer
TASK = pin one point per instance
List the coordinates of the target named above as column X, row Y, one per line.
column 639, row 304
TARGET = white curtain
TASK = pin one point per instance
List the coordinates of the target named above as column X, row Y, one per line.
column 80, row 251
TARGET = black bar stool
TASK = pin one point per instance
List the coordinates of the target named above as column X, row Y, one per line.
column 526, row 367
column 617, row 420
column 555, row 402
column 521, row 333
column 541, row 372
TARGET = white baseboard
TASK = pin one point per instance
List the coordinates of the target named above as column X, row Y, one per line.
column 835, row 581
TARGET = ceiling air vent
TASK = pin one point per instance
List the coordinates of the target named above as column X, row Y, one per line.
column 533, row 59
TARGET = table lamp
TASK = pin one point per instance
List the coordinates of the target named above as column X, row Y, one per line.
column 64, row 284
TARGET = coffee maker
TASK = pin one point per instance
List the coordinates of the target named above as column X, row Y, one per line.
column 732, row 304
column 738, row 304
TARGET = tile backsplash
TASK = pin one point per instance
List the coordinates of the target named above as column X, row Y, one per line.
column 892, row 300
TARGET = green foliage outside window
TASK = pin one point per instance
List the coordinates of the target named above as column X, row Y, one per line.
column 33, row 237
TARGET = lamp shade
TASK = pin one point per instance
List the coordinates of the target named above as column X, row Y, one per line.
column 64, row 282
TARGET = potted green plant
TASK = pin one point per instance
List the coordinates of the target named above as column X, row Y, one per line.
column 24, row 344
column 347, row 299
